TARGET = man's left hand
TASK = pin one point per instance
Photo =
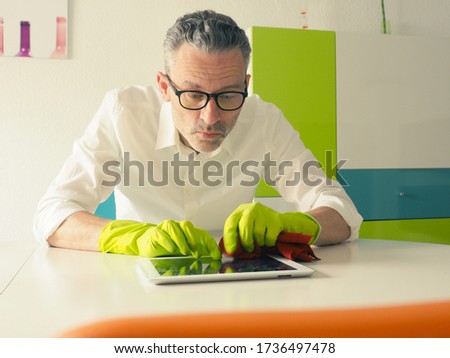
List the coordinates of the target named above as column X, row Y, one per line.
column 256, row 223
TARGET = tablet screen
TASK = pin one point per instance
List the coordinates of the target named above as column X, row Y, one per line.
column 182, row 266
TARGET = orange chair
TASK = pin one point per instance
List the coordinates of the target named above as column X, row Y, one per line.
column 428, row 320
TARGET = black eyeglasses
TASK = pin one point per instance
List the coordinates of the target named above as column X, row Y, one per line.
column 195, row 100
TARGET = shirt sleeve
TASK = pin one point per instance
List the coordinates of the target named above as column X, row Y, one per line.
column 301, row 180
column 78, row 186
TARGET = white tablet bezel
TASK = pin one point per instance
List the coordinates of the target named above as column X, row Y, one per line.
column 149, row 271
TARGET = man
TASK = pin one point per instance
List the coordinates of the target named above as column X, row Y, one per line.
column 184, row 160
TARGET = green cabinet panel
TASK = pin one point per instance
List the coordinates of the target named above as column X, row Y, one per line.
column 296, row 70
column 435, row 231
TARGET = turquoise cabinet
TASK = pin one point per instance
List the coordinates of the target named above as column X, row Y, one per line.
column 107, row 209
column 387, row 194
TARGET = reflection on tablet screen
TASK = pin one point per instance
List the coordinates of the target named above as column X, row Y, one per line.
column 204, row 266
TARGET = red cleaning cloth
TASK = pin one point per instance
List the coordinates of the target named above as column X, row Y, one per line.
column 293, row 246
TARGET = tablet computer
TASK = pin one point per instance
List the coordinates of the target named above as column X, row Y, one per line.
column 168, row 270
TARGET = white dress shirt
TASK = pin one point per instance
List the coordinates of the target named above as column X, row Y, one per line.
column 132, row 147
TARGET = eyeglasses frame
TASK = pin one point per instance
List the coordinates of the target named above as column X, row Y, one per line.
column 178, row 93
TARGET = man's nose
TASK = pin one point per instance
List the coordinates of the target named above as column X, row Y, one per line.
column 210, row 113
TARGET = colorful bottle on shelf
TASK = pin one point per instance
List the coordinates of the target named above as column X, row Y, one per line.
column 304, row 18
column 61, row 38
column 24, row 39
column 1, row 36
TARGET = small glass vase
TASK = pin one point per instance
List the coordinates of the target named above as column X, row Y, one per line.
column 61, row 38
column 24, row 39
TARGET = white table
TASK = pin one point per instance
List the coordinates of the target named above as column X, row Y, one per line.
column 57, row 289
column 13, row 256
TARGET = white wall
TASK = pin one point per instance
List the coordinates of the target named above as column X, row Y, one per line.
column 393, row 112
column 407, row 17
column 46, row 104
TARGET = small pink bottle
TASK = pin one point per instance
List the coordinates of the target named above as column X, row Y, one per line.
column 61, row 38
column 1, row 36
column 24, row 39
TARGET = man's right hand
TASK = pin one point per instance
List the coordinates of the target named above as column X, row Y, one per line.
column 169, row 238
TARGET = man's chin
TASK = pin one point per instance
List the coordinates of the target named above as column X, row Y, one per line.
column 207, row 146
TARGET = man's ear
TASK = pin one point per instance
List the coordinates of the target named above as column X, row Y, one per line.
column 247, row 80
column 163, row 85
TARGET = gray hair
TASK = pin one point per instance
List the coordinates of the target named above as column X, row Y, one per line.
column 207, row 31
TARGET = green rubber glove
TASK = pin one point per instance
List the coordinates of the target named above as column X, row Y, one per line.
column 169, row 238
column 256, row 222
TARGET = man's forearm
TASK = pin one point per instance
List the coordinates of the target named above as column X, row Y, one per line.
column 334, row 227
column 80, row 231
